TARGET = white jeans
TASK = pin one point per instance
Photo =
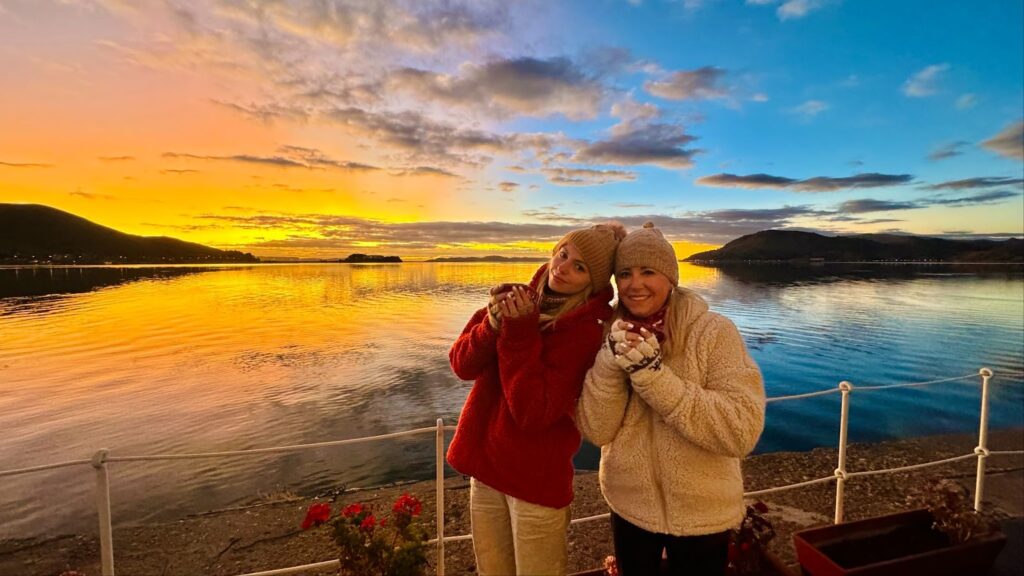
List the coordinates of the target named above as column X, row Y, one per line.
column 516, row 538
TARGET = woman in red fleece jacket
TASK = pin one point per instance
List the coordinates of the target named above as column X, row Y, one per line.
column 527, row 353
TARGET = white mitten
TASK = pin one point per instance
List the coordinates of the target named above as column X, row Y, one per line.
column 645, row 355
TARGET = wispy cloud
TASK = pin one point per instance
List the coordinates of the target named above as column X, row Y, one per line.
column 1008, row 142
column 870, row 205
column 523, row 86
column 966, row 101
column 866, row 205
column 700, row 84
column 809, row 109
column 116, row 158
column 586, row 176
column 508, row 186
column 794, row 9
column 289, row 157
column 948, row 150
column 25, row 165
column 91, row 195
column 979, row 182
column 816, row 184
column 924, row 82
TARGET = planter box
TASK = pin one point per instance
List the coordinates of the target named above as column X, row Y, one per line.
column 892, row 545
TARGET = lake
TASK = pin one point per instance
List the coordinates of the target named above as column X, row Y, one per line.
column 159, row 360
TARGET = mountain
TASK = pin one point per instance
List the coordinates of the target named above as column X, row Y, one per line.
column 31, row 233
column 775, row 245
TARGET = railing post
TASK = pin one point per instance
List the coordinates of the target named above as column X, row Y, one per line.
column 439, row 485
column 982, row 449
column 844, row 422
column 99, row 462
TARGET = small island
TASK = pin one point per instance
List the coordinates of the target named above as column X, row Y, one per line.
column 369, row 259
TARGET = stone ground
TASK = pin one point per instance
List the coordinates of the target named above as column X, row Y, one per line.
column 264, row 534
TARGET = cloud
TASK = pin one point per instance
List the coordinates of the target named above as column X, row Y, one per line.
column 640, row 138
column 966, row 101
column 870, row 205
column 91, row 195
column 425, row 171
column 947, row 151
column 420, row 137
column 794, row 9
column 586, row 176
column 699, row 84
column 993, row 197
column 25, row 165
column 1008, row 142
column 866, row 205
column 277, row 161
column 809, row 109
column 923, row 83
column 116, row 158
column 524, row 86
column 508, row 186
column 290, row 157
column 816, row 184
column 629, row 205
column 179, row 172
column 753, row 181
column 981, row 182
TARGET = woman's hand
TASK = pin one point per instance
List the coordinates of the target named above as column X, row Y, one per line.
column 516, row 303
column 494, row 310
column 634, row 350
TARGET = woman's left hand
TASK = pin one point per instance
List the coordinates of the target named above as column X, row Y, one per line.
column 638, row 352
column 517, row 303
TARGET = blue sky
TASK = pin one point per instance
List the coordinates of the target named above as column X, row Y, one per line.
column 310, row 127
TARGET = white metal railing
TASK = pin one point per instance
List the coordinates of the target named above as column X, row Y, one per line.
column 100, row 460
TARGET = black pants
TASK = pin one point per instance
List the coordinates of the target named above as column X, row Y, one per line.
column 638, row 552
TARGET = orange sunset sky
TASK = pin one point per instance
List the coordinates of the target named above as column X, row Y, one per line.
column 307, row 128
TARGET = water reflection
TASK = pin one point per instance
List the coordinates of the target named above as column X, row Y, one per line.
column 51, row 280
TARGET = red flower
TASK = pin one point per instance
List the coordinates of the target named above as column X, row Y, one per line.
column 407, row 504
column 352, row 510
column 368, row 523
column 316, row 515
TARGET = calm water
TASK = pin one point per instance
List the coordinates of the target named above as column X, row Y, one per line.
column 176, row 360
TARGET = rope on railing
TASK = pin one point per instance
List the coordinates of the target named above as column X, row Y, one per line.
column 44, row 467
column 912, row 384
column 274, row 448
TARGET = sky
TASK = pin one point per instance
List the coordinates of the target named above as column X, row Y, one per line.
column 420, row 128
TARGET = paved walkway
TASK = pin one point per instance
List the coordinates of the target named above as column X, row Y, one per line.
column 1005, row 491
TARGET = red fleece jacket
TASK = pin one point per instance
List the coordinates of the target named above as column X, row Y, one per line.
column 517, row 432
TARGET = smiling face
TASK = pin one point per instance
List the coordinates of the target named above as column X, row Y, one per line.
column 643, row 291
column 567, row 272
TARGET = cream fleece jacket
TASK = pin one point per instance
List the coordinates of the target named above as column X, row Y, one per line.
column 671, row 439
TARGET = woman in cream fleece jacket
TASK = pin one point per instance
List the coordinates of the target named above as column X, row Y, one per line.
column 674, row 401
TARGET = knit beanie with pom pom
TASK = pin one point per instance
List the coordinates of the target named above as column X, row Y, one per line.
column 597, row 244
column 648, row 248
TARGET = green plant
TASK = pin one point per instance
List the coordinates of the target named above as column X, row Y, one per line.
column 388, row 546
column 747, row 541
column 950, row 504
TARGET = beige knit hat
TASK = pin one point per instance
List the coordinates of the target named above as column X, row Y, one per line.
column 597, row 245
column 647, row 248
